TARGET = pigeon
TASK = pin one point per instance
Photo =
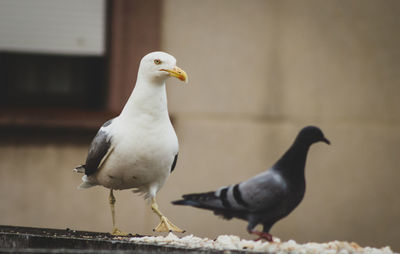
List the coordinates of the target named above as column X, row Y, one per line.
column 139, row 148
column 267, row 197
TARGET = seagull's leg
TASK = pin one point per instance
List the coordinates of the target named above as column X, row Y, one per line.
column 165, row 225
column 111, row 200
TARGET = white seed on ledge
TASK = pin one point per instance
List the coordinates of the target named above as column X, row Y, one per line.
column 231, row 242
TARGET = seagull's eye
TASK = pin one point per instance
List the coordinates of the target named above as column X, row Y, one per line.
column 157, row 61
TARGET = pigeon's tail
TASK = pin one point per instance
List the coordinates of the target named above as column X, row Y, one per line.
column 207, row 196
column 210, row 201
column 184, row 202
column 206, row 200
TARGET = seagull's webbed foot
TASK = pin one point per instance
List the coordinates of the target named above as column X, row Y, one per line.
column 165, row 224
column 262, row 236
column 117, row 232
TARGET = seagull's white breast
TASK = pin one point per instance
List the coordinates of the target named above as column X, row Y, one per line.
column 144, row 148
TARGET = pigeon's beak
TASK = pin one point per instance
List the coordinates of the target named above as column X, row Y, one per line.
column 177, row 73
column 325, row 140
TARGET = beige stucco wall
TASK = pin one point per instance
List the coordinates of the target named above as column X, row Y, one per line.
column 259, row 71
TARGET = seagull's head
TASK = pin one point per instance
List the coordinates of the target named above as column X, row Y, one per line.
column 158, row 66
column 312, row 134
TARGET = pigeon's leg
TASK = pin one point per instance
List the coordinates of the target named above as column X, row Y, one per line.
column 165, row 225
column 111, row 200
column 262, row 235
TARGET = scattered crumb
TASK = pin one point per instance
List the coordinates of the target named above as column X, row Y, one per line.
column 231, row 242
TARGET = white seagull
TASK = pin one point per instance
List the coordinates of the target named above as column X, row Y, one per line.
column 139, row 148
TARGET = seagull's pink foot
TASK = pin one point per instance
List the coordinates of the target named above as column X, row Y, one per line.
column 262, row 235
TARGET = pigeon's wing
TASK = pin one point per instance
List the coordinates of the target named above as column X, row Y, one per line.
column 262, row 191
column 99, row 150
column 256, row 194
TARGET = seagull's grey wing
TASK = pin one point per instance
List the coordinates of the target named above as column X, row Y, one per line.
column 99, row 150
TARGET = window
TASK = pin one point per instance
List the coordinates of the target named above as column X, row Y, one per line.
column 39, row 80
column 84, row 70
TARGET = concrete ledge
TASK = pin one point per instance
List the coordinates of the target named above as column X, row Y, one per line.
column 44, row 240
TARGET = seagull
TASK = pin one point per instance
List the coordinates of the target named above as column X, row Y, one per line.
column 138, row 149
column 267, row 197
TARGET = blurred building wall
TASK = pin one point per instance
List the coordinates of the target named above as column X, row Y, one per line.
column 258, row 72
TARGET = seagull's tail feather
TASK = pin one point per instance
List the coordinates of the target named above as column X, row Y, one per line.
column 86, row 183
column 80, row 169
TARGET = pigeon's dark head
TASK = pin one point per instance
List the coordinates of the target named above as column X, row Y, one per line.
column 310, row 135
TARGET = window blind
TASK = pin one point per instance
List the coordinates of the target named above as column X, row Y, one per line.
column 73, row 27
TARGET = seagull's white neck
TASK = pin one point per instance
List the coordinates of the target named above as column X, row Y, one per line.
column 148, row 97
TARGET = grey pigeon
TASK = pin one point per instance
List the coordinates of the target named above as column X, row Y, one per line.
column 267, row 197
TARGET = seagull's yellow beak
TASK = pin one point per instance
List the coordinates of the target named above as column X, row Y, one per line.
column 177, row 73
